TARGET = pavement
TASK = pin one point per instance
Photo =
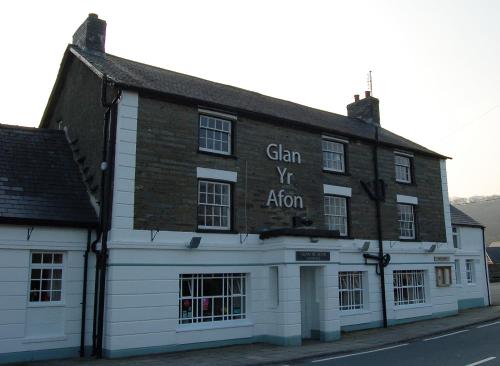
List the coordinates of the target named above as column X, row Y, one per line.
column 265, row 354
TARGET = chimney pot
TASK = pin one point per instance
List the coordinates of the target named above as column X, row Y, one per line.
column 367, row 94
column 356, row 97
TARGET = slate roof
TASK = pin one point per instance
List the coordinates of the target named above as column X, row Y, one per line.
column 135, row 75
column 460, row 218
column 39, row 181
column 494, row 254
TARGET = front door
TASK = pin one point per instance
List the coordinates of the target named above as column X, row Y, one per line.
column 309, row 305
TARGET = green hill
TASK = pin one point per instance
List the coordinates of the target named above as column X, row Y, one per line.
column 487, row 212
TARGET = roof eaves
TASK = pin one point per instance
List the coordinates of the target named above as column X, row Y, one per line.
column 47, row 222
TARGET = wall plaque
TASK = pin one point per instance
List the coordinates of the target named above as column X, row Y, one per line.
column 441, row 259
column 312, row 256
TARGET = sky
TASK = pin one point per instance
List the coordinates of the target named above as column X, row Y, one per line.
column 435, row 64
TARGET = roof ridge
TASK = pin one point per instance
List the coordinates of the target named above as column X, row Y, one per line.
column 80, row 51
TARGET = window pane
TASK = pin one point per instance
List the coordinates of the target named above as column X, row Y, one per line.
column 36, row 258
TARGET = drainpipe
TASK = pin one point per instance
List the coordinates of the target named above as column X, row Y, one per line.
column 84, row 293
column 107, row 168
column 486, row 272
column 96, row 290
column 382, row 261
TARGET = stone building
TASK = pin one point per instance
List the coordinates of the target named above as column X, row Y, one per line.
column 227, row 216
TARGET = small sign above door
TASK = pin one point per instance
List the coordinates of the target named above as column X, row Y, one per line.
column 312, row 256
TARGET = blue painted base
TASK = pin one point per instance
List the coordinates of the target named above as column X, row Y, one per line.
column 420, row 318
column 355, row 327
column 471, row 303
column 38, row 355
column 329, row 336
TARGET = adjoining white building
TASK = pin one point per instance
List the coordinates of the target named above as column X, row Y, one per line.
column 225, row 217
column 46, row 221
column 471, row 266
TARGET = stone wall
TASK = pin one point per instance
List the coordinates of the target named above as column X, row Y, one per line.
column 166, row 183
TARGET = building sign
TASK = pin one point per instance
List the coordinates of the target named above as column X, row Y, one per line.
column 441, row 259
column 279, row 197
column 312, row 256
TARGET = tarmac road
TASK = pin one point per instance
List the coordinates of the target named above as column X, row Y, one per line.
column 475, row 345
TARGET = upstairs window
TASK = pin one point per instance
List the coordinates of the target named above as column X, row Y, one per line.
column 214, row 205
column 456, row 237
column 46, row 277
column 333, row 156
column 406, row 221
column 336, row 214
column 215, row 135
column 403, row 168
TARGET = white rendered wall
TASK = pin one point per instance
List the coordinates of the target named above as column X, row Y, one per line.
column 26, row 327
column 471, row 247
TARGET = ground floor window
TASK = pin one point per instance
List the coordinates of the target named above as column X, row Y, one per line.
column 46, row 277
column 409, row 287
column 212, row 297
column 458, row 277
column 351, row 290
column 469, row 271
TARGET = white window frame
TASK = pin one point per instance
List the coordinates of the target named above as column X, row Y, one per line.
column 470, row 274
column 409, row 287
column 192, row 305
column 337, row 148
column 215, row 129
column 458, row 274
column 456, row 237
column 331, row 216
column 215, row 205
column 402, row 166
column 46, row 276
column 404, row 221
column 351, row 283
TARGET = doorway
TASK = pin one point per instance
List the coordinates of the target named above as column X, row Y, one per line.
column 309, row 302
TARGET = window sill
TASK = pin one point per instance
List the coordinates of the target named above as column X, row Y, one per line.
column 335, row 172
column 412, row 306
column 44, row 339
column 405, row 183
column 354, row 312
column 213, row 325
column 216, row 231
column 45, row 304
column 221, row 155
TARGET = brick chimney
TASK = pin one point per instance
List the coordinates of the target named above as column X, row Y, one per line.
column 365, row 109
column 91, row 35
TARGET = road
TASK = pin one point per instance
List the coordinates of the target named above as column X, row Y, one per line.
column 476, row 345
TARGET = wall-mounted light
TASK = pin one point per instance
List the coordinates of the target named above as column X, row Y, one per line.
column 366, row 246
column 194, row 243
column 431, row 249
